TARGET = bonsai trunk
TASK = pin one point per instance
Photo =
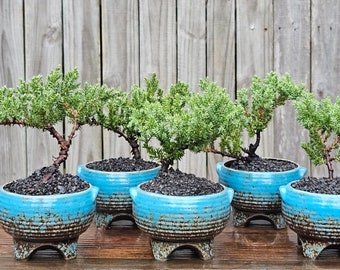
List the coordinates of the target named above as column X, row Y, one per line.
column 253, row 147
column 133, row 142
column 63, row 144
column 329, row 161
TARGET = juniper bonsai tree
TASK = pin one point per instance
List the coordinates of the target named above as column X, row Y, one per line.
column 322, row 120
column 182, row 119
column 42, row 104
column 258, row 103
column 117, row 114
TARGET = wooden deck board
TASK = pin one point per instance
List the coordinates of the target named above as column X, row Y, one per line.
column 125, row 247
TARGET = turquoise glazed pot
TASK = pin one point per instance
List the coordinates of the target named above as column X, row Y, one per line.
column 257, row 193
column 314, row 217
column 175, row 221
column 47, row 221
column 113, row 200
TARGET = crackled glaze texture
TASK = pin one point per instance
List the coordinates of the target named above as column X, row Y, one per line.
column 114, row 199
column 314, row 217
column 52, row 221
column 174, row 221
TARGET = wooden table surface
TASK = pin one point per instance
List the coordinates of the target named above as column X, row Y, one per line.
column 123, row 246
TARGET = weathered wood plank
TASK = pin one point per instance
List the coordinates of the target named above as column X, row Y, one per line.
column 12, row 139
column 192, row 64
column 254, row 31
column 291, row 54
column 325, row 57
column 82, row 50
column 120, row 44
column 185, row 40
column 220, row 56
column 125, row 247
column 158, row 43
column 43, row 52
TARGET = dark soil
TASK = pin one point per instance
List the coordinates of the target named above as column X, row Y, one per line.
column 122, row 165
column 177, row 183
column 47, row 181
column 261, row 165
column 319, row 185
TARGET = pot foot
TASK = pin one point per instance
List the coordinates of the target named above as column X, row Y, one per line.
column 103, row 220
column 312, row 248
column 162, row 249
column 243, row 218
column 24, row 249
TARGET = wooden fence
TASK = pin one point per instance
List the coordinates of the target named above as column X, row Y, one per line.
column 120, row 42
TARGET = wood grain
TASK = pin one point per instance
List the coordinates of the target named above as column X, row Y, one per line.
column 82, row 50
column 119, row 43
column 43, row 52
column 12, row 139
column 325, row 58
column 191, row 57
column 258, row 246
column 120, row 63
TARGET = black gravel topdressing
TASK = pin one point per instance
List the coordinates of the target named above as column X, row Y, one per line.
column 122, row 165
column 57, row 183
column 177, row 183
column 319, row 185
column 261, row 165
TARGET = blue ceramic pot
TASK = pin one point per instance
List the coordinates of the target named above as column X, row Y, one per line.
column 174, row 221
column 257, row 193
column 114, row 199
column 50, row 220
column 314, row 217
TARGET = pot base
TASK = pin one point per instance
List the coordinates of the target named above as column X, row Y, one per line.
column 162, row 249
column 24, row 249
column 243, row 218
column 103, row 220
column 312, row 248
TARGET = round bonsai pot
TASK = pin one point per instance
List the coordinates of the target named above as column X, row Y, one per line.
column 257, row 193
column 113, row 200
column 54, row 221
column 175, row 221
column 314, row 217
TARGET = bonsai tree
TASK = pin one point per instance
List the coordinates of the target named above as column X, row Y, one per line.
column 117, row 114
column 322, row 120
column 42, row 104
column 258, row 103
column 182, row 120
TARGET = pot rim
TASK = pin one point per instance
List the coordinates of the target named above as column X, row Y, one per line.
column 52, row 196
column 118, row 173
column 298, row 167
column 158, row 195
column 308, row 193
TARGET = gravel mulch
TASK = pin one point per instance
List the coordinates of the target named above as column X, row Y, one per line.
column 47, row 181
column 177, row 183
column 261, row 165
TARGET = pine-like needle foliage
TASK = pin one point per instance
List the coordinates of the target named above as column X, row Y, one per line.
column 42, row 104
column 322, row 120
column 181, row 120
column 258, row 103
column 117, row 113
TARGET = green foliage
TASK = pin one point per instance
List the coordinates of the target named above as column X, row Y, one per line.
column 258, row 103
column 42, row 104
column 181, row 120
column 119, row 108
column 322, row 120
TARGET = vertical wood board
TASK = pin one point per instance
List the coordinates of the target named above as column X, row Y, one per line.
column 12, row 139
column 43, row 52
column 291, row 54
column 120, row 65
column 82, row 50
